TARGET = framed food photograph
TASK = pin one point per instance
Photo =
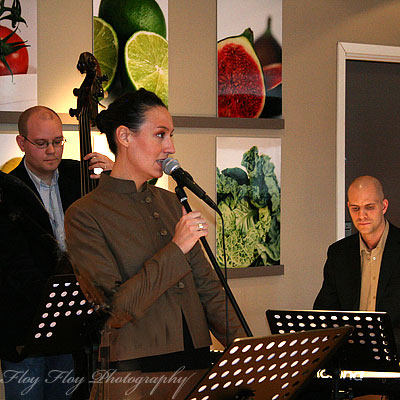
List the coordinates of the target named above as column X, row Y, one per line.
column 249, row 198
column 130, row 42
column 249, row 46
column 18, row 55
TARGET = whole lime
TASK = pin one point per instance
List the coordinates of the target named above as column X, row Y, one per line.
column 130, row 16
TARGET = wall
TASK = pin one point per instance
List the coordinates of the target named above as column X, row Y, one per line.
column 311, row 30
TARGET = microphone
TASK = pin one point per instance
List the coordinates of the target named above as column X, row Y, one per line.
column 171, row 167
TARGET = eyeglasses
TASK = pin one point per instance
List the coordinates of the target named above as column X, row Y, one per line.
column 44, row 144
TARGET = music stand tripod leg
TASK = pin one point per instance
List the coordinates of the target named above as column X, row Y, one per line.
column 336, row 393
column 335, row 384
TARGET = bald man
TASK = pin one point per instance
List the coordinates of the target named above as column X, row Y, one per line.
column 362, row 271
column 53, row 183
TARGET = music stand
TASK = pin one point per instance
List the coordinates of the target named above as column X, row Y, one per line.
column 371, row 346
column 60, row 323
column 273, row 367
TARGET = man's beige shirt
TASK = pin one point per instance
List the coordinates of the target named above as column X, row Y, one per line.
column 370, row 267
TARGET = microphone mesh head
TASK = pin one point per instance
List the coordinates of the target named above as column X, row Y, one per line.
column 169, row 165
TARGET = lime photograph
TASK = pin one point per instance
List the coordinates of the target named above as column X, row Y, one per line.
column 131, row 47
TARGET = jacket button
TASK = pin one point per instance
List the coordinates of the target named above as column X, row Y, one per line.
column 148, row 200
column 156, row 215
column 163, row 232
column 181, row 285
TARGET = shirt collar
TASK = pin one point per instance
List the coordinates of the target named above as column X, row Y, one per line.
column 39, row 182
column 381, row 244
column 119, row 185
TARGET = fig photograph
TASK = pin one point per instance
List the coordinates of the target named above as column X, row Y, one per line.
column 249, row 35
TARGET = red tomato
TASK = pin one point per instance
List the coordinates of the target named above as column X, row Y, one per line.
column 18, row 60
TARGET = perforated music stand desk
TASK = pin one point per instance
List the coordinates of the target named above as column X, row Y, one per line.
column 371, row 346
column 60, row 323
column 273, row 367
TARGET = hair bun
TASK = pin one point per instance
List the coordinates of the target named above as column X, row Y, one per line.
column 99, row 121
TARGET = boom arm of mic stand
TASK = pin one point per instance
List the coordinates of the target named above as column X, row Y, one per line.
column 183, row 199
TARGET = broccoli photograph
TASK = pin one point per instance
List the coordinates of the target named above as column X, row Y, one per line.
column 250, row 203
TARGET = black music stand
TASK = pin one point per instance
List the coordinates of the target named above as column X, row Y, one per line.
column 371, row 346
column 273, row 367
column 60, row 323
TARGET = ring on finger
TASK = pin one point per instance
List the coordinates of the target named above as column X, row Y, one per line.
column 200, row 227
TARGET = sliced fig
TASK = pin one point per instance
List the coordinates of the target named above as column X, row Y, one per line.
column 272, row 75
column 241, row 89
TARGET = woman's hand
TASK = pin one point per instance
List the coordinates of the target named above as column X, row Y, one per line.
column 189, row 229
column 97, row 160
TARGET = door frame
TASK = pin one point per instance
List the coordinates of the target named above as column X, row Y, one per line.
column 351, row 51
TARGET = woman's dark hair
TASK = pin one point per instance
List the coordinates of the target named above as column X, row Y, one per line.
column 128, row 110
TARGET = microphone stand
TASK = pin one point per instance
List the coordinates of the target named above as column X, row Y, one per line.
column 184, row 201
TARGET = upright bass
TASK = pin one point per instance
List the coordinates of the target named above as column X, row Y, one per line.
column 89, row 95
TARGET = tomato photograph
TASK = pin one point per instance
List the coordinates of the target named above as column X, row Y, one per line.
column 18, row 54
column 14, row 57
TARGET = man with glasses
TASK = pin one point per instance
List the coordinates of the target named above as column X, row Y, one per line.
column 56, row 183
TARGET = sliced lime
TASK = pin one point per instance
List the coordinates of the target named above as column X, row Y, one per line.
column 105, row 49
column 146, row 61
